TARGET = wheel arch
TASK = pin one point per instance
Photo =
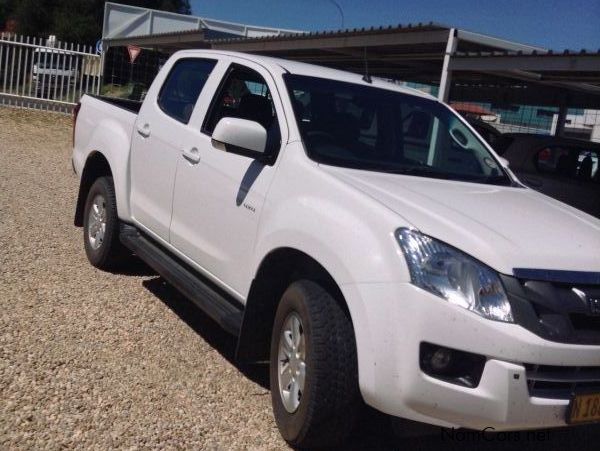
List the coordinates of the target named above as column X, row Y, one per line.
column 277, row 270
column 96, row 166
column 106, row 149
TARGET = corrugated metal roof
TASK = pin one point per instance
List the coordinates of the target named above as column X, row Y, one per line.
column 302, row 34
column 431, row 26
column 123, row 21
column 161, row 35
column 566, row 52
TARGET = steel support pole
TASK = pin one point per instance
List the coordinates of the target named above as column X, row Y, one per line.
column 561, row 119
column 104, row 48
column 443, row 94
column 446, row 77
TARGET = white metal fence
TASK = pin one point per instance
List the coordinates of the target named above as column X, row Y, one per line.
column 46, row 74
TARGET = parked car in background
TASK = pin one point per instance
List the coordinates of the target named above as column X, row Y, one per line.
column 564, row 168
column 51, row 69
column 480, row 118
column 487, row 131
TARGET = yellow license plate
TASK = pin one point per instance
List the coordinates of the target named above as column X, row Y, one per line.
column 584, row 408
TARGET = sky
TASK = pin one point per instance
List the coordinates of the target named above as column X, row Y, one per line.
column 554, row 24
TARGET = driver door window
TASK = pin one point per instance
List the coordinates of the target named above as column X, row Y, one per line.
column 244, row 94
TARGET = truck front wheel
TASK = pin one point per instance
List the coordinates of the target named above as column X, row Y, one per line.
column 313, row 368
column 101, row 226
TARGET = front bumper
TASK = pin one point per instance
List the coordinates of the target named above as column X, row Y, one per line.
column 391, row 321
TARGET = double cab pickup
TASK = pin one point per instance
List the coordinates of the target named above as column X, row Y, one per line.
column 359, row 236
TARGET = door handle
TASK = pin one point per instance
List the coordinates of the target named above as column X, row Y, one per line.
column 144, row 130
column 192, row 155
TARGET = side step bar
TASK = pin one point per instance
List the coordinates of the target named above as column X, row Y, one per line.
column 226, row 311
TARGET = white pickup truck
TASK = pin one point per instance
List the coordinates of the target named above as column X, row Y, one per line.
column 359, row 236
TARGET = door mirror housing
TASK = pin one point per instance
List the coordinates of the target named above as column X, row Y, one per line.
column 241, row 136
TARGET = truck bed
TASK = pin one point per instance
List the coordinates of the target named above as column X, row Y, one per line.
column 105, row 124
column 129, row 105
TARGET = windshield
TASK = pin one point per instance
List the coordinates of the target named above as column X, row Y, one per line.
column 363, row 127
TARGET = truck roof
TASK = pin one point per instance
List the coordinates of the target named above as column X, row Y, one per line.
column 313, row 70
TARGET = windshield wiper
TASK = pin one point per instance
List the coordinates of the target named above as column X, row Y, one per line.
column 422, row 172
column 501, row 180
column 428, row 172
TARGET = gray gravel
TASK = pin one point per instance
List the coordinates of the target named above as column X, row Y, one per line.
column 96, row 360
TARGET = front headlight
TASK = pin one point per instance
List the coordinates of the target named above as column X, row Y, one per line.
column 454, row 276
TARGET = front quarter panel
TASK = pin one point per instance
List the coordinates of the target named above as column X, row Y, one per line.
column 347, row 232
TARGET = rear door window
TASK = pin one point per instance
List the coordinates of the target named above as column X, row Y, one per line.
column 183, row 86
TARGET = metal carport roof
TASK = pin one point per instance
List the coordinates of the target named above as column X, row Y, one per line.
column 474, row 66
column 407, row 52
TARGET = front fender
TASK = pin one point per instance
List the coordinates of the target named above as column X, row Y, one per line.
column 347, row 232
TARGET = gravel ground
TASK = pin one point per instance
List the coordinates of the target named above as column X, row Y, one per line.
column 96, row 360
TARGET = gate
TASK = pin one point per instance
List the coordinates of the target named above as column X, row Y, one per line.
column 46, row 74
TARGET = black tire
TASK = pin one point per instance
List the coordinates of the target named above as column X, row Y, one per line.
column 331, row 400
column 110, row 252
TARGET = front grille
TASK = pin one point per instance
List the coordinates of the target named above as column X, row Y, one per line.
column 585, row 322
column 558, row 305
column 560, row 382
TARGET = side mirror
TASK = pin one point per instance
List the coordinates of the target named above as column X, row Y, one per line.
column 241, row 136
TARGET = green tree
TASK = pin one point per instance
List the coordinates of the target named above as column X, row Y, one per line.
column 77, row 21
column 6, row 6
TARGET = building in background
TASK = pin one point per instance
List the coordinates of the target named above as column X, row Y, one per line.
column 583, row 125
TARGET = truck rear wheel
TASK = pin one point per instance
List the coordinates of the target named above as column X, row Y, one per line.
column 101, row 226
column 314, row 371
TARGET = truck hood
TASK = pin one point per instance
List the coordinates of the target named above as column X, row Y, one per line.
column 504, row 227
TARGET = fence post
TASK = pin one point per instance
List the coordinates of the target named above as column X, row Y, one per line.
column 83, row 63
column 25, row 65
column 57, row 65
column 6, row 56
column 39, row 73
column 19, row 66
column 62, row 70
column 1, row 53
column 88, row 70
column 78, row 69
column 12, row 65
column 70, row 72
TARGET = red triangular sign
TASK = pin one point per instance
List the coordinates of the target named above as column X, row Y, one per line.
column 134, row 51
